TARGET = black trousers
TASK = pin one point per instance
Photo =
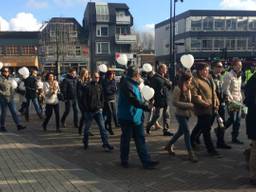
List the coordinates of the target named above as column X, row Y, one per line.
column 109, row 113
column 67, row 110
column 203, row 126
column 48, row 113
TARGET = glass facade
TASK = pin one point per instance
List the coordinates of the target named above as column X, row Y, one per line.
column 217, row 43
column 219, row 23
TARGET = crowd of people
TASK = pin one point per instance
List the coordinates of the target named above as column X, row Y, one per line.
column 209, row 92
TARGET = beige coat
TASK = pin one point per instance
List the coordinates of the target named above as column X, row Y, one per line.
column 182, row 102
column 204, row 91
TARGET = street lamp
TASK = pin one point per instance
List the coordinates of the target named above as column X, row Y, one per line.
column 172, row 66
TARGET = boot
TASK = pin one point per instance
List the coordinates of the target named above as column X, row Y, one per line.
column 170, row 149
column 220, row 132
column 192, row 156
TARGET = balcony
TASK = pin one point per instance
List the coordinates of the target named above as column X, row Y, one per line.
column 125, row 20
column 125, row 39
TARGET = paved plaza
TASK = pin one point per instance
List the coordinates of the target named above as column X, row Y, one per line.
column 34, row 160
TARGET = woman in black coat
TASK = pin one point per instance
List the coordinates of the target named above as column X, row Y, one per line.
column 250, row 102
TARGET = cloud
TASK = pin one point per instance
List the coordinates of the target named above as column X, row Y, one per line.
column 69, row 3
column 150, row 28
column 238, row 4
column 24, row 22
column 4, row 25
column 37, row 4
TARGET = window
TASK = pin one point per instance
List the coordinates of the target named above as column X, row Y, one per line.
column 241, row 44
column 208, row 23
column 102, row 47
column 219, row 23
column 196, row 23
column 218, row 44
column 1, row 50
column 252, row 43
column 28, row 50
column 102, row 30
column 120, row 13
column 122, row 30
column 195, row 44
column 102, row 13
column 242, row 23
column 252, row 23
column 78, row 50
column 230, row 44
column 231, row 23
column 11, row 50
column 207, row 44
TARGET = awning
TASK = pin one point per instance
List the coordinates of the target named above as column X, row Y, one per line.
column 19, row 61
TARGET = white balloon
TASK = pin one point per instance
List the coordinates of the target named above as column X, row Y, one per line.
column 40, row 85
column 187, row 61
column 147, row 67
column 1, row 65
column 147, row 92
column 24, row 72
column 14, row 84
column 122, row 59
column 103, row 68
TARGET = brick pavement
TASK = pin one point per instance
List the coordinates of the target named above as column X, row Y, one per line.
column 174, row 173
column 25, row 167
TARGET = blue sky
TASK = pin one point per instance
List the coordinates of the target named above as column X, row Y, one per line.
column 29, row 14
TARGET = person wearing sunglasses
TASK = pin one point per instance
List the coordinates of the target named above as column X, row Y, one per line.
column 7, row 92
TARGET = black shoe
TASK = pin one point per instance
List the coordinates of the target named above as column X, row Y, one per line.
column 150, row 165
column 215, row 154
column 167, row 133
column 2, row 129
column 85, row 146
column 223, row 146
column 148, row 130
column 238, row 142
column 58, row 131
column 20, row 127
column 108, row 147
column 44, row 127
column 125, row 164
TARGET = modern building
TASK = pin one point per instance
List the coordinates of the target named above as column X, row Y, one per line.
column 18, row 49
column 209, row 35
column 108, row 26
column 63, row 44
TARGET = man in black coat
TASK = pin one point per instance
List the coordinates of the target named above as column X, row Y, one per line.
column 250, row 102
column 69, row 90
column 93, row 102
column 162, row 86
column 31, row 94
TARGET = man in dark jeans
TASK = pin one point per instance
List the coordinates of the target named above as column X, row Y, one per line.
column 69, row 90
column 162, row 86
column 205, row 103
column 31, row 94
column 7, row 100
column 130, row 117
column 93, row 101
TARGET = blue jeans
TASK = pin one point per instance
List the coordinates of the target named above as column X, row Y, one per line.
column 11, row 105
column 36, row 106
column 183, row 129
column 137, row 132
column 234, row 119
column 98, row 117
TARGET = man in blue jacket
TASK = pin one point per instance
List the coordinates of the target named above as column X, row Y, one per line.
column 130, row 117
